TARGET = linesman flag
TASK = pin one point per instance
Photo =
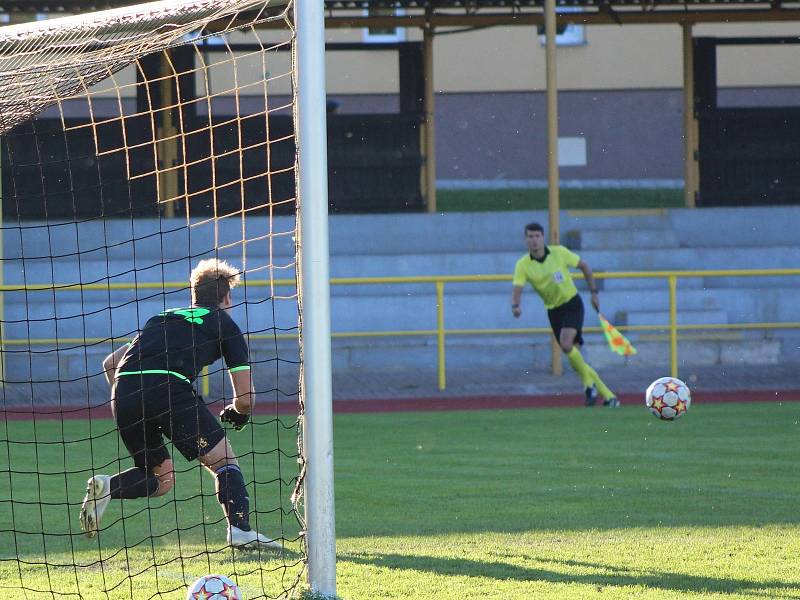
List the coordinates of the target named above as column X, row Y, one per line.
column 616, row 341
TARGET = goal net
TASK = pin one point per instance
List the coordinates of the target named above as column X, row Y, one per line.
column 135, row 143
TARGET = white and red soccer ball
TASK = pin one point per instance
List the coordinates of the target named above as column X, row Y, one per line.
column 668, row 398
column 213, row 587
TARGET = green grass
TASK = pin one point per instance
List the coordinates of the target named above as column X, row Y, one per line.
column 541, row 503
column 140, row 552
column 569, row 198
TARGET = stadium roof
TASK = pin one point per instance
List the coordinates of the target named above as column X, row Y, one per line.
column 483, row 13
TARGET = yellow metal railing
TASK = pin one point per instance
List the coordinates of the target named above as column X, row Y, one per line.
column 672, row 327
column 441, row 332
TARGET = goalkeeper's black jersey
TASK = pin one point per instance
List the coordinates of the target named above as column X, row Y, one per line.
column 181, row 341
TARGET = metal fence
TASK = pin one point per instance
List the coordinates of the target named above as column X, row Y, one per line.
column 441, row 332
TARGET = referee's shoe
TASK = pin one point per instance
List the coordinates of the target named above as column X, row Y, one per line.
column 239, row 538
column 95, row 502
column 590, row 393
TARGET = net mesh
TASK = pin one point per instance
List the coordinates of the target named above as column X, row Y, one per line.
column 135, row 143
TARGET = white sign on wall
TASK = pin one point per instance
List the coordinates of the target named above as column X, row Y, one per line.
column 571, row 152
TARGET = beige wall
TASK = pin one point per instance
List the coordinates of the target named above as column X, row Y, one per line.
column 354, row 72
column 614, row 57
column 512, row 59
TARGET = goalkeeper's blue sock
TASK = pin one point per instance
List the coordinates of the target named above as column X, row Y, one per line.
column 133, row 483
column 232, row 496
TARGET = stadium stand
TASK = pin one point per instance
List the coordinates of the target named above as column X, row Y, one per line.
column 419, row 245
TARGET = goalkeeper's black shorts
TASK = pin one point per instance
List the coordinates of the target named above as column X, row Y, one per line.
column 149, row 407
column 568, row 315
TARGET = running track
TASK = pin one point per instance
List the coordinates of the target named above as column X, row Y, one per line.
column 432, row 403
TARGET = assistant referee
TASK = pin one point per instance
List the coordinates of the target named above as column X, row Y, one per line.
column 546, row 269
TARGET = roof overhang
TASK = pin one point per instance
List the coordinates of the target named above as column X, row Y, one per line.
column 489, row 13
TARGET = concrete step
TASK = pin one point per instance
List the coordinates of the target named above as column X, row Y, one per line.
column 736, row 227
column 628, row 239
column 652, row 283
column 768, row 256
column 62, row 272
column 759, row 282
column 73, row 316
column 533, row 352
column 684, row 317
column 160, row 240
column 172, row 239
column 615, row 219
column 486, row 364
column 600, row 260
column 78, row 320
column 98, row 269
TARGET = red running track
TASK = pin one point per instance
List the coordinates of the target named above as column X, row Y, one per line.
column 431, row 403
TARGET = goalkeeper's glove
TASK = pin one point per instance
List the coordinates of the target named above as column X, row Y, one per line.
column 230, row 415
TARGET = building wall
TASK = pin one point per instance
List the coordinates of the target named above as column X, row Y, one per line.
column 620, row 94
column 613, row 57
column 629, row 134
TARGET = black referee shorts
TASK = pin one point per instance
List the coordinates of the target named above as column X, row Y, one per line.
column 568, row 315
column 150, row 407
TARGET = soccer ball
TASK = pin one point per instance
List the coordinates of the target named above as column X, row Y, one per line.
column 668, row 398
column 213, row 587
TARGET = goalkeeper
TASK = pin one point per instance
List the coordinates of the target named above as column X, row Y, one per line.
column 546, row 268
column 152, row 396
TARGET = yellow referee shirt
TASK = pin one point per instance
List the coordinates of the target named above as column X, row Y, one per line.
column 549, row 276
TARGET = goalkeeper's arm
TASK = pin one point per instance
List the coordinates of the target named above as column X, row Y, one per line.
column 238, row 412
column 243, row 393
column 111, row 362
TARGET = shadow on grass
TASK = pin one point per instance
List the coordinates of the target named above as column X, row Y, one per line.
column 611, row 576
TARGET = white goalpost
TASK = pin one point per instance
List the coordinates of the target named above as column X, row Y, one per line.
column 134, row 143
column 315, row 288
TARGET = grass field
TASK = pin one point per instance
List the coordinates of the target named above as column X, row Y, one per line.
column 569, row 198
column 538, row 503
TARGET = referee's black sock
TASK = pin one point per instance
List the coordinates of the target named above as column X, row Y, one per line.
column 133, row 483
column 232, row 495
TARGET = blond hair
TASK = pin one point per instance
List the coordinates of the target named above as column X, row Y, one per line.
column 211, row 280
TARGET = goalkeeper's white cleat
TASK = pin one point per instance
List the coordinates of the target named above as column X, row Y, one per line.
column 98, row 494
column 239, row 538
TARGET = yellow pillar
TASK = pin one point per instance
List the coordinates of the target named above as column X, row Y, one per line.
column 690, row 169
column 673, row 325
column 440, row 340
column 553, row 202
column 167, row 140
column 430, row 135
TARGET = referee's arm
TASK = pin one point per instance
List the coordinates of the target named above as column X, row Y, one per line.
column 518, row 281
column 516, row 296
column 590, row 281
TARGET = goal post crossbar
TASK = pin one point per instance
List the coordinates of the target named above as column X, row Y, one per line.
column 43, row 62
